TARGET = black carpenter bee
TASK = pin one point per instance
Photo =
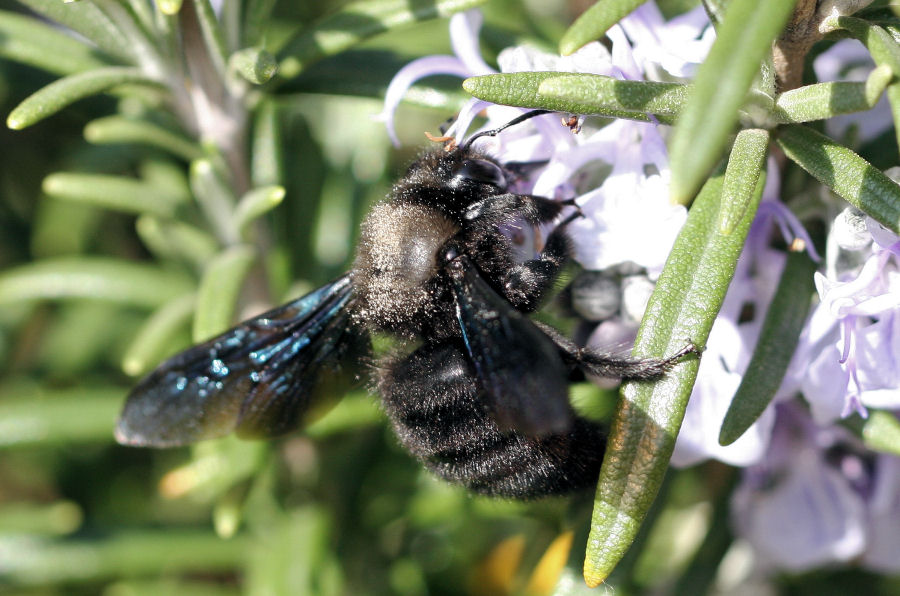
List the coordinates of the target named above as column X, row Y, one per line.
column 482, row 400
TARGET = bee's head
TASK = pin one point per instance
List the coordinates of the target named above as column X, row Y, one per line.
column 476, row 171
column 460, row 172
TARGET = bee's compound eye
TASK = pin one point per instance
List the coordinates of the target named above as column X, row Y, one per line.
column 481, row 171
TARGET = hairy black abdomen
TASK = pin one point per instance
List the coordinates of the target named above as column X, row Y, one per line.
column 435, row 406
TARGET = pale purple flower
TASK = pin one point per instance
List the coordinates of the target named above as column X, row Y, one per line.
column 660, row 49
column 849, row 355
column 629, row 218
column 720, row 374
column 466, row 62
column 819, row 498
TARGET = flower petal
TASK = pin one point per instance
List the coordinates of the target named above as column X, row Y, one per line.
column 464, row 28
column 809, row 518
column 409, row 74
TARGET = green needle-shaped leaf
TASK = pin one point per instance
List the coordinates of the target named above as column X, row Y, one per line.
column 254, row 64
column 850, row 176
column 30, row 417
column 174, row 239
column 88, row 20
column 892, row 26
column 59, row 517
column 97, row 278
column 682, row 308
column 596, row 94
column 118, row 193
column 267, row 147
column 59, row 94
column 777, row 341
column 169, row 7
column 616, row 99
column 153, row 341
column 715, row 9
column 256, row 20
column 219, row 291
column 881, row 432
column 826, row 100
column 882, row 46
column 594, row 23
column 885, row 51
column 212, row 34
column 354, row 411
column 746, row 162
column 29, row 41
column 216, row 199
column 255, row 203
column 217, row 466
column 116, row 129
column 166, row 174
column 723, row 80
column 358, row 21
column 123, row 554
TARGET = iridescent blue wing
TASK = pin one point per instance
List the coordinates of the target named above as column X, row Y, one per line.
column 517, row 365
column 256, row 379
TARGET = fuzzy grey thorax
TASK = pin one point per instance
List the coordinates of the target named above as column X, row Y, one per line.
column 395, row 261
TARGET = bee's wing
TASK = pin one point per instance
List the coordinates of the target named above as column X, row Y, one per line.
column 517, row 365
column 255, row 378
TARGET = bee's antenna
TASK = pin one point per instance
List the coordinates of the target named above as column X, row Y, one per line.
column 494, row 132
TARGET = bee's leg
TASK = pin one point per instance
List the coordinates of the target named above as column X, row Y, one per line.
column 602, row 364
column 525, row 285
column 508, row 207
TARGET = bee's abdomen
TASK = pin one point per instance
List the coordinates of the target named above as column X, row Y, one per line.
column 434, row 403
